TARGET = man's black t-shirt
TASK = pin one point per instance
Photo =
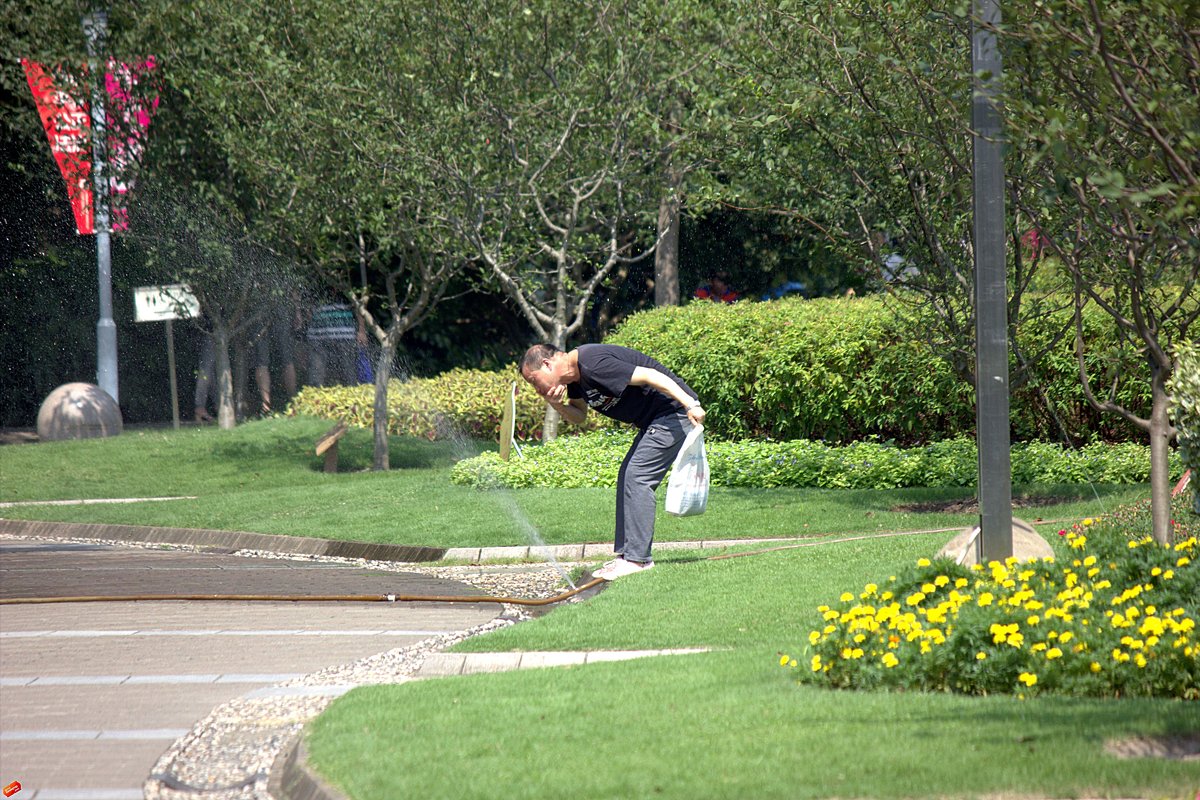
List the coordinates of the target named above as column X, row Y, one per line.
column 604, row 373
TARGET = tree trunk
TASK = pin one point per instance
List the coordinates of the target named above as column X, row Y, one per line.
column 552, row 418
column 1160, row 471
column 383, row 373
column 550, row 424
column 226, row 415
column 666, row 256
column 240, row 375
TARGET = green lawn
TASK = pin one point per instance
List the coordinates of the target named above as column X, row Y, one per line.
column 728, row 723
column 264, row 477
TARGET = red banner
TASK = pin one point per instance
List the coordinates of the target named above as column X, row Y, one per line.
column 128, row 114
column 66, row 120
column 68, row 128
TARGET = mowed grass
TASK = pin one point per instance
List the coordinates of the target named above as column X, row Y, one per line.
column 264, row 477
column 729, row 723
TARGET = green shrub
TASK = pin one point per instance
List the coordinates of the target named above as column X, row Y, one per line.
column 1116, row 618
column 1184, row 389
column 593, row 459
column 843, row 369
column 831, row 370
column 461, row 402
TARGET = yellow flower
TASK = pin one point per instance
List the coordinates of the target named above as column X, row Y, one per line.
column 1027, row 678
column 889, row 660
column 1095, row 667
column 980, row 656
column 816, row 663
column 941, row 580
column 846, row 597
column 960, row 583
column 1088, row 521
column 985, row 599
column 923, row 562
column 783, row 660
column 1140, row 660
column 1053, row 653
column 914, row 599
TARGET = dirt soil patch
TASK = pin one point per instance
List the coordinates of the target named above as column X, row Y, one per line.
column 1182, row 747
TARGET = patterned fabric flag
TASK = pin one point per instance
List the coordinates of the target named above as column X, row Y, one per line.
column 62, row 105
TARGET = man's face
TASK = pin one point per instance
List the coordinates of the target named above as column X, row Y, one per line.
column 544, row 379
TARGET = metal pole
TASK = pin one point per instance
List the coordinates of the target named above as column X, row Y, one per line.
column 95, row 27
column 174, row 380
column 991, row 290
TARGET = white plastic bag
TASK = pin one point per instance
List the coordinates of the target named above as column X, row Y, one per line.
column 687, row 489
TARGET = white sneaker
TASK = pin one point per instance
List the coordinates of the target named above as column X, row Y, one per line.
column 619, row 568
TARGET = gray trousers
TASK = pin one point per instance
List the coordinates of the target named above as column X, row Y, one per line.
column 649, row 457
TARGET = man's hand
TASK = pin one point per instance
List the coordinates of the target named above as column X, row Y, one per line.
column 555, row 394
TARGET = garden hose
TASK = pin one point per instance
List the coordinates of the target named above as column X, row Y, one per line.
column 300, row 598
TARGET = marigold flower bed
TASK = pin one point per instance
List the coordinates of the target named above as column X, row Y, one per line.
column 1116, row 618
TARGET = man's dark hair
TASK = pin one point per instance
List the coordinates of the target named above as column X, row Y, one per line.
column 534, row 356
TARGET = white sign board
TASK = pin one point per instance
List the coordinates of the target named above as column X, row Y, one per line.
column 158, row 303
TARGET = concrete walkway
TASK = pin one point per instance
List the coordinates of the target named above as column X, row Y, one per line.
column 93, row 692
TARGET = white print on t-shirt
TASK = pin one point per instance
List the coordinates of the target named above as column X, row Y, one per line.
column 599, row 401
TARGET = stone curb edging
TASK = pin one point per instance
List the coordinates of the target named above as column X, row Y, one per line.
column 311, row 546
column 291, row 778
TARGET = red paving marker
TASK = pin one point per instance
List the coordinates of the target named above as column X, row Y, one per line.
column 12, row 788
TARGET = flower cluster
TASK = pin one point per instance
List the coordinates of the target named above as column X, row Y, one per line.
column 1116, row 617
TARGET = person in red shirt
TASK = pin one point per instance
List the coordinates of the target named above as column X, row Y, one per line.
column 717, row 289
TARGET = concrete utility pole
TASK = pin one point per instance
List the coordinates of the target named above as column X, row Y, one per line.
column 95, row 28
column 991, row 291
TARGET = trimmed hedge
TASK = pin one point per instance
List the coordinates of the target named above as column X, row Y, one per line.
column 594, row 459
column 461, row 402
column 843, row 369
column 835, row 370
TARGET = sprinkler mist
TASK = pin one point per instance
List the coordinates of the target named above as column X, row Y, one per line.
column 463, row 447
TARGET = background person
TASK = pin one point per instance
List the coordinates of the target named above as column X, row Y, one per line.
column 277, row 332
column 205, row 384
column 717, row 289
column 334, row 336
column 628, row 386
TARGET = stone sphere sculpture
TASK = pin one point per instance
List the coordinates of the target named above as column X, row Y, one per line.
column 78, row 411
